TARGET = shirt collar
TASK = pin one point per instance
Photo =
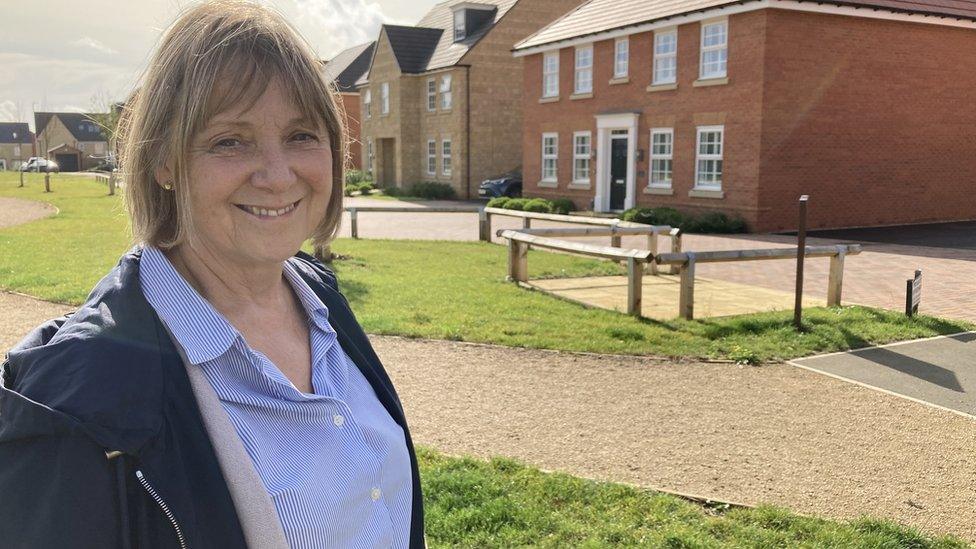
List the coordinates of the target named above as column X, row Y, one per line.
column 203, row 332
column 314, row 308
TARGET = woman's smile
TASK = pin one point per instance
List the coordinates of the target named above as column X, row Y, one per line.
column 269, row 212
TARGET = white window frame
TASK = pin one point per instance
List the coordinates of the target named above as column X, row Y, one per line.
column 554, row 157
column 583, row 73
column 431, row 157
column 550, row 74
column 722, row 47
column 446, row 97
column 368, row 103
column 431, row 94
column 17, row 149
column 385, row 98
column 459, row 30
column 659, row 59
column 582, row 157
column 699, row 157
column 446, row 155
column 621, row 67
column 661, row 156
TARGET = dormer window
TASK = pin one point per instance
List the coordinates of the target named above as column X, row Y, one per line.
column 470, row 17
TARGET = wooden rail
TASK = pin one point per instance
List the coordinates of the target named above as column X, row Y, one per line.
column 527, row 218
column 483, row 227
column 518, row 248
column 686, row 262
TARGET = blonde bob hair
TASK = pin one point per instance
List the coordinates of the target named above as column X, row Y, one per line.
column 215, row 56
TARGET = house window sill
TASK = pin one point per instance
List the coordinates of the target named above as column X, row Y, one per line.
column 443, row 111
column 547, row 184
column 703, row 82
column 579, row 185
column 706, row 193
column 577, row 96
column 662, row 87
column 619, row 80
column 663, row 191
column 552, row 99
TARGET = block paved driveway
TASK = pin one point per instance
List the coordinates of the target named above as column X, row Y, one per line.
column 945, row 253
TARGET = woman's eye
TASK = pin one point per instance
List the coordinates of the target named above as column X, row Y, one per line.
column 227, row 143
column 305, row 136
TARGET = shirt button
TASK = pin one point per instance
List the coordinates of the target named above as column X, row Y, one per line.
column 375, row 493
column 338, row 420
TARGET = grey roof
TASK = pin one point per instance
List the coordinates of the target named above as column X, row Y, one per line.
column 412, row 46
column 349, row 65
column 596, row 16
column 81, row 125
column 15, row 132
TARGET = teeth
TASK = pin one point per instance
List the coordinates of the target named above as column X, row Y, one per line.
column 264, row 212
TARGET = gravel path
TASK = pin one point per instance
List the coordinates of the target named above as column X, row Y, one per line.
column 14, row 211
column 775, row 434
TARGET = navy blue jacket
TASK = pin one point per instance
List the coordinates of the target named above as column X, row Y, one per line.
column 101, row 440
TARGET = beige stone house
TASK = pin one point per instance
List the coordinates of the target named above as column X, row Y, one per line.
column 72, row 139
column 442, row 100
column 16, row 145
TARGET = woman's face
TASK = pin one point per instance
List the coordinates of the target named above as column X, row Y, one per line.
column 260, row 180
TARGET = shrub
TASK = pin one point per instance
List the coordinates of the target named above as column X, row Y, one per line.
column 392, row 191
column 366, row 187
column 715, row 223
column 711, row 222
column 498, row 202
column 516, row 204
column 433, row 191
column 655, row 216
column 537, row 205
column 356, row 176
column 562, row 206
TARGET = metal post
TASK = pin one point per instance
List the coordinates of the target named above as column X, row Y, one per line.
column 801, row 249
column 353, row 223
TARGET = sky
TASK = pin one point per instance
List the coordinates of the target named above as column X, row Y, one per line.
column 64, row 55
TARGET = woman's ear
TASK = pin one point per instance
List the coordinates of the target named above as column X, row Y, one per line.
column 164, row 175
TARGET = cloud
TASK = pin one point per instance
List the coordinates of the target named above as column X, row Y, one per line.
column 89, row 42
column 334, row 25
column 9, row 112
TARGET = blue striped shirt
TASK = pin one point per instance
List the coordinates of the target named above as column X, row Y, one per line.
column 334, row 462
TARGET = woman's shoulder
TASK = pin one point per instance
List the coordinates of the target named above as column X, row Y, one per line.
column 314, row 268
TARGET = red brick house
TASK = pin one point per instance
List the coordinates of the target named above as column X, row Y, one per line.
column 868, row 106
column 344, row 70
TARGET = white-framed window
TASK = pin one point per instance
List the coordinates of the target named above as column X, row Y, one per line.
column 446, row 156
column 581, row 157
column 550, row 74
column 459, row 30
column 431, row 157
column 583, row 81
column 621, row 57
column 17, row 150
column 446, row 91
column 550, row 156
column 368, row 103
column 714, row 50
column 662, row 149
column 708, row 158
column 385, row 98
column 665, row 57
column 369, row 155
column 431, row 94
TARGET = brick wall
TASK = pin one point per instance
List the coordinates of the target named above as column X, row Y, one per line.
column 875, row 120
column 736, row 105
column 350, row 107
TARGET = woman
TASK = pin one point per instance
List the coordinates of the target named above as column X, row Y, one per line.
column 214, row 390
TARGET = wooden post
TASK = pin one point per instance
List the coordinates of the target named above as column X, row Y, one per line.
column 526, row 223
column 686, row 301
column 635, row 287
column 614, row 237
column 353, row 223
column 517, row 261
column 21, row 178
column 835, row 284
column 651, row 266
column 801, row 249
column 47, row 182
column 111, row 183
column 675, row 248
column 484, row 225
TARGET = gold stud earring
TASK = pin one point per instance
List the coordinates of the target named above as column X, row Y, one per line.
column 168, row 186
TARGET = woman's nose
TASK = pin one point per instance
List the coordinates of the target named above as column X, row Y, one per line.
column 275, row 172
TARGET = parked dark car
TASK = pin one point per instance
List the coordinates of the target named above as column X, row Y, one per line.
column 36, row 164
column 509, row 185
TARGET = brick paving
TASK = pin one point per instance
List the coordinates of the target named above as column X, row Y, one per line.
column 876, row 277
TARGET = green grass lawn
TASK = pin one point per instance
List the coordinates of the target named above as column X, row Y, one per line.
column 457, row 291
column 445, row 290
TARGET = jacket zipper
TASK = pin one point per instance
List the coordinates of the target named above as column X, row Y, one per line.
column 162, row 505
